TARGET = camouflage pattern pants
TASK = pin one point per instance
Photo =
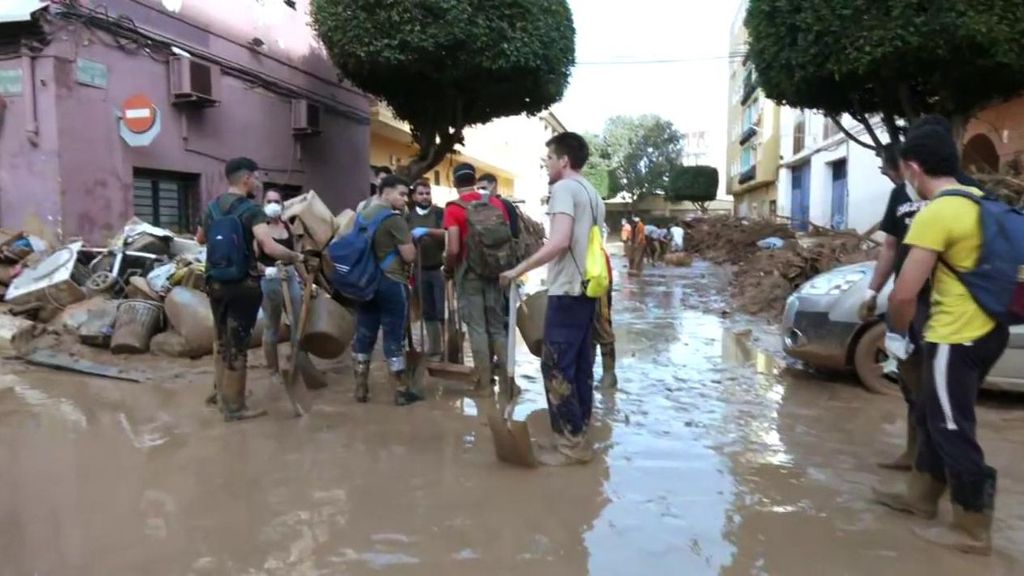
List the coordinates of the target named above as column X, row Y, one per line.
column 568, row 362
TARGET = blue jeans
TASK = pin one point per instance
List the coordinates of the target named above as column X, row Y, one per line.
column 568, row 362
column 387, row 310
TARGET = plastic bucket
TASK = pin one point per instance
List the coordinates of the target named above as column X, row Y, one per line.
column 137, row 321
column 530, row 321
column 329, row 328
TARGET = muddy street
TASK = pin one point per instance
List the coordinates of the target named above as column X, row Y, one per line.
column 706, row 465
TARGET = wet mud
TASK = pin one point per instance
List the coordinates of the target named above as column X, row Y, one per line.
column 714, row 456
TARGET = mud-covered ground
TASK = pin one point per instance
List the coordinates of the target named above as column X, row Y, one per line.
column 705, row 466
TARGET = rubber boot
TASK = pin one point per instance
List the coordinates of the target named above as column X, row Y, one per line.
column 361, row 368
column 232, row 397
column 218, row 377
column 404, row 394
column 433, row 344
column 905, row 461
column 608, row 377
column 920, row 497
column 970, row 532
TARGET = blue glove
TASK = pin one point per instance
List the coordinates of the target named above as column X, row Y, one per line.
column 420, row 232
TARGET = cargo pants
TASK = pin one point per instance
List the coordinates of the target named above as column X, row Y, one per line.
column 484, row 311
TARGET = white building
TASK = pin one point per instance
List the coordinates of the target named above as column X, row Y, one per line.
column 825, row 178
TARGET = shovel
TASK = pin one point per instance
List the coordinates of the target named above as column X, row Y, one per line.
column 512, row 442
column 415, row 361
column 294, row 395
column 454, row 336
column 448, row 368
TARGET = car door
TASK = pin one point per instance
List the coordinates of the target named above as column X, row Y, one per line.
column 1008, row 373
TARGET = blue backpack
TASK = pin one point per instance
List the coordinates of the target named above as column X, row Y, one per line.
column 228, row 252
column 356, row 272
column 997, row 282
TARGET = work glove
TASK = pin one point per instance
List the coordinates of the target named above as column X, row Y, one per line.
column 420, row 232
column 898, row 346
column 869, row 307
column 270, row 272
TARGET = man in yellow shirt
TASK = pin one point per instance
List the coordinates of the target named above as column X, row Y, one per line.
column 962, row 343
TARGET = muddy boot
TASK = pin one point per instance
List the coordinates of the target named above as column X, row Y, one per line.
column 576, row 449
column 970, row 532
column 361, row 368
column 905, row 461
column 404, row 393
column 608, row 378
column 232, row 397
column 218, row 377
column 433, row 345
column 920, row 497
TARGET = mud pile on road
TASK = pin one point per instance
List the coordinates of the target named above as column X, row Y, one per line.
column 764, row 276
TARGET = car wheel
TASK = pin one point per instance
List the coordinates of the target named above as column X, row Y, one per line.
column 868, row 358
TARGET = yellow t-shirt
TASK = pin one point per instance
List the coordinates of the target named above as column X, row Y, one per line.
column 951, row 227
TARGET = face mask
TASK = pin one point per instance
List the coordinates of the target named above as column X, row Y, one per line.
column 272, row 210
column 423, row 209
column 912, row 191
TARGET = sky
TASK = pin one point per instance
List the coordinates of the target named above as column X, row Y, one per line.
column 693, row 94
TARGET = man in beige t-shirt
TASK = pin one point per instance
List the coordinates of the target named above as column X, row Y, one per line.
column 568, row 359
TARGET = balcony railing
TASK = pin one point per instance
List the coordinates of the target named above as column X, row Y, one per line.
column 748, row 135
column 748, row 175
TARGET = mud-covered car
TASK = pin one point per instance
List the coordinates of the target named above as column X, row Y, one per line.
column 821, row 328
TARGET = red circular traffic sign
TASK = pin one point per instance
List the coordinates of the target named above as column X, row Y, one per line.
column 139, row 114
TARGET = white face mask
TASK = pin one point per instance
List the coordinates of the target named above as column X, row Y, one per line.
column 912, row 191
column 272, row 210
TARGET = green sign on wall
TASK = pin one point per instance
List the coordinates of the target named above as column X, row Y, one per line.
column 10, row 81
column 91, row 73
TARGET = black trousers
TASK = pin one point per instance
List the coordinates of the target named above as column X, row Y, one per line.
column 235, row 309
column 948, row 445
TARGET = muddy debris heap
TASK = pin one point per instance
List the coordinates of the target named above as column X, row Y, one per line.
column 770, row 261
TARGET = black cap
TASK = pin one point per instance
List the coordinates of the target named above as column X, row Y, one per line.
column 464, row 169
column 236, row 165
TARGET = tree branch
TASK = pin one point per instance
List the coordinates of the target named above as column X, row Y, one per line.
column 895, row 134
column 849, row 134
column 859, row 116
column 910, row 111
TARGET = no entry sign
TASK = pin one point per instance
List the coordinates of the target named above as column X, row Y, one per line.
column 139, row 114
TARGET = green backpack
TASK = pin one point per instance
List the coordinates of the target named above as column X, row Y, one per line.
column 489, row 248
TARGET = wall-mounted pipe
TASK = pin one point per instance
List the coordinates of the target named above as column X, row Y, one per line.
column 29, row 94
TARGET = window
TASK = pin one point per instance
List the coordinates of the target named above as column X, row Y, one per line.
column 751, row 113
column 166, row 199
column 831, row 129
column 799, row 133
column 748, row 157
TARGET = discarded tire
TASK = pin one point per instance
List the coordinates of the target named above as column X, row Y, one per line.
column 137, row 322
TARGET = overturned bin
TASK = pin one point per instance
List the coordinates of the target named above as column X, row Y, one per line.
column 137, row 322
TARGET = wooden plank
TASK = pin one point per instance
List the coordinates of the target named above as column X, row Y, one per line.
column 67, row 362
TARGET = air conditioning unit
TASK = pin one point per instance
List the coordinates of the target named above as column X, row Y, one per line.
column 305, row 117
column 194, row 82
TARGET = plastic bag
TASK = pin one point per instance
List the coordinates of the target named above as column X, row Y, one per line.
column 596, row 275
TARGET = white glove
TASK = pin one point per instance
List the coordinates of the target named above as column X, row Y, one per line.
column 898, row 346
column 270, row 272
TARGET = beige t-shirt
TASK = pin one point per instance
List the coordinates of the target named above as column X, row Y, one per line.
column 577, row 198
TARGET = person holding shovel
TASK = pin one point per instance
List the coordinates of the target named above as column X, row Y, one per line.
column 568, row 359
column 280, row 282
column 428, row 278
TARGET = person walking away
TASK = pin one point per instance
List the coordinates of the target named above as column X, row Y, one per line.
column 429, row 279
column 480, row 248
column 962, row 343
column 273, row 283
column 639, row 246
column 232, row 225
column 387, row 311
column 567, row 363
column 678, row 236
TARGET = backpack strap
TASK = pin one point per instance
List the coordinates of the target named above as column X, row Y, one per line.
column 371, row 230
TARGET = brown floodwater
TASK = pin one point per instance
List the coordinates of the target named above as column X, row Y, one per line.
column 707, row 464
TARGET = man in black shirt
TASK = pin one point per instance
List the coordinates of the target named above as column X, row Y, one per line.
column 429, row 280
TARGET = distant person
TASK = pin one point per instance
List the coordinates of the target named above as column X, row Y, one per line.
column 377, row 173
column 568, row 360
column 489, row 182
column 961, row 344
column 232, row 225
column 678, row 236
column 638, row 246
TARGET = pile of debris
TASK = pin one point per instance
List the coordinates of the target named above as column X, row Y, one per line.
column 770, row 260
column 1007, row 187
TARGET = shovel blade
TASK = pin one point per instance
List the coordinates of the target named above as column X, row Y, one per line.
column 452, row 372
column 512, row 442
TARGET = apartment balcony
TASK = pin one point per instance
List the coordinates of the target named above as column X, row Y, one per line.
column 747, row 175
column 748, row 135
column 749, row 89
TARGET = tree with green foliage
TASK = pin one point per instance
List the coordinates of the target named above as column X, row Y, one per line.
column 598, row 168
column 890, row 59
column 696, row 184
column 444, row 65
column 638, row 153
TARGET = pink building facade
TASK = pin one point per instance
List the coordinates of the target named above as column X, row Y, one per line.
column 260, row 86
